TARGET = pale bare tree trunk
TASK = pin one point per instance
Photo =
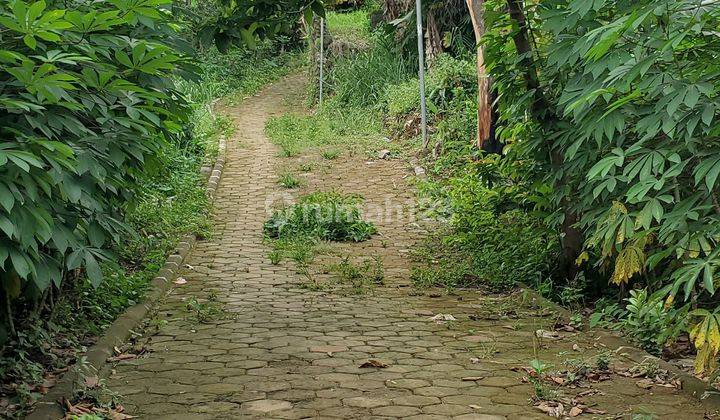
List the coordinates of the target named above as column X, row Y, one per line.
column 484, row 102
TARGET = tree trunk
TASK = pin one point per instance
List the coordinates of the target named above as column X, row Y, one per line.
column 521, row 38
column 571, row 238
column 433, row 38
column 393, row 9
column 484, row 103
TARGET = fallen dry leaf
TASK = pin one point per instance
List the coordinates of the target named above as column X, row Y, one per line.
column 594, row 377
column 575, row 411
column 122, row 357
column 118, row 413
column 564, row 327
column 441, row 318
column 373, row 363
column 594, row 411
column 79, row 409
column 551, row 408
column 550, row 335
column 644, row 383
column 588, row 392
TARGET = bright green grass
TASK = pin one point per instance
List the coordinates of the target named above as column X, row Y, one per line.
column 350, row 127
column 349, row 26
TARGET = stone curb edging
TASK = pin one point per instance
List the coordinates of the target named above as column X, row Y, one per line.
column 48, row 407
column 691, row 385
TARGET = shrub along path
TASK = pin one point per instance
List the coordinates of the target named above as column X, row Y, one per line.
column 269, row 346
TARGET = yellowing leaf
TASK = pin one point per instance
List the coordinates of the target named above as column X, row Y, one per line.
column 584, row 256
column 629, row 262
column 705, row 335
column 669, row 301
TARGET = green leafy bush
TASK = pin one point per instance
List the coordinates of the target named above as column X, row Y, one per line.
column 619, row 103
column 127, row 158
column 452, row 98
column 494, row 239
column 88, row 99
column 449, row 80
column 402, row 99
column 323, row 215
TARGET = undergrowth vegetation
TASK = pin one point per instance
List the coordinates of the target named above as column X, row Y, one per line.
column 351, row 26
column 361, row 277
column 329, row 128
column 359, row 81
column 326, row 215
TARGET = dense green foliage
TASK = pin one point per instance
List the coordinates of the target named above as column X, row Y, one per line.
column 495, row 240
column 244, row 22
column 628, row 137
column 88, row 100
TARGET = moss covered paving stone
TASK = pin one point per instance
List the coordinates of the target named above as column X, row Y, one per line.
column 277, row 348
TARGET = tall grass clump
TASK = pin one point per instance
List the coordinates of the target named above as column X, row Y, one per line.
column 360, row 81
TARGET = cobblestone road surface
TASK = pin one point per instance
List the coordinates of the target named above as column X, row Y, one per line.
column 283, row 351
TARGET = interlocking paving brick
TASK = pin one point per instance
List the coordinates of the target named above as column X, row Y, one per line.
column 280, row 350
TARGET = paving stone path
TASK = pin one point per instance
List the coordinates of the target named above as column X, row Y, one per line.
column 280, row 350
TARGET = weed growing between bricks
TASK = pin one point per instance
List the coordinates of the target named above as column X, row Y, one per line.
column 299, row 229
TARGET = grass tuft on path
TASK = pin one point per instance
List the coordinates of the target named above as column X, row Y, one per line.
column 298, row 230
